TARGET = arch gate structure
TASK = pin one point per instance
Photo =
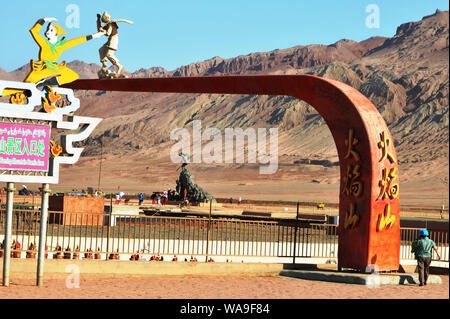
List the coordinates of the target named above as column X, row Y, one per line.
column 369, row 205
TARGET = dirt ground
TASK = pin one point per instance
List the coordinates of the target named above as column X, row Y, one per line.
column 209, row 287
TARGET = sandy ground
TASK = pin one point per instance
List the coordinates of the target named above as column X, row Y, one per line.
column 210, row 287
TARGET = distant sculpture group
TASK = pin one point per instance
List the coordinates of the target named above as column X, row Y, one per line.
column 187, row 187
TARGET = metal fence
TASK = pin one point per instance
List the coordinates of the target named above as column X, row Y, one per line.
column 94, row 235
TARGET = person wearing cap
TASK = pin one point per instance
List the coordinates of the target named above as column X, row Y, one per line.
column 424, row 252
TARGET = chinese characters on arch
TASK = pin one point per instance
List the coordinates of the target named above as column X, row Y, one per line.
column 389, row 187
column 353, row 185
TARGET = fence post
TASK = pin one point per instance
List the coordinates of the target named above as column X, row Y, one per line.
column 42, row 234
column 207, row 234
column 109, row 227
column 295, row 232
column 8, row 231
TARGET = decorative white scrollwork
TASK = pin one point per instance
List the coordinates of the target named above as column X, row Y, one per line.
column 34, row 98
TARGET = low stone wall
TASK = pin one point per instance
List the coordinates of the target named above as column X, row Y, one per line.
column 117, row 267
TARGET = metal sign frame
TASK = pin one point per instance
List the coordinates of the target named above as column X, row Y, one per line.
column 57, row 119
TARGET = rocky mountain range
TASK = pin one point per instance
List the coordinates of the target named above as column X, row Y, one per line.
column 405, row 76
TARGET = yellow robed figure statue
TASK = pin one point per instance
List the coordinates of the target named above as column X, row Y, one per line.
column 47, row 71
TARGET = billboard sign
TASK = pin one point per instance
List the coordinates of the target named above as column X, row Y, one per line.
column 24, row 147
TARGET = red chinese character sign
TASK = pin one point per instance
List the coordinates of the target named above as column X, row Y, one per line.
column 369, row 231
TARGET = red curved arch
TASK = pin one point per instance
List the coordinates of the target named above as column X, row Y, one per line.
column 369, row 227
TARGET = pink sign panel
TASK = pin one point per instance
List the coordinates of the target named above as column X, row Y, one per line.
column 24, row 147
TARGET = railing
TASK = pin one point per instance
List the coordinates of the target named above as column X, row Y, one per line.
column 103, row 235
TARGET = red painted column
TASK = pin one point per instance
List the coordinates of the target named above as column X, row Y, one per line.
column 369, row 209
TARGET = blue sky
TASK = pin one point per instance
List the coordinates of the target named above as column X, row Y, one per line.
column 172, row 33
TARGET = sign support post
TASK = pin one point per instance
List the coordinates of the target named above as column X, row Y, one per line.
column 8, row 226
column 42, row 234
column 295, row 232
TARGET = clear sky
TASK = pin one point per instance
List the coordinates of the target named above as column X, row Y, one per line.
column 172, row 33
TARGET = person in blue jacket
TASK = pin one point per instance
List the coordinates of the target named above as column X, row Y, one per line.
column 424, row 252
column 141, row 199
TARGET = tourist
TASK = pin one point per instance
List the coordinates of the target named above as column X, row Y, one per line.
column 165, row 198
column 15, row 247
column 141, row 199
column 117, row 199
column 67, row 254
column 424, row 251
column 158, row 198
column 88, row 254
column 135, row 256
column 97, row 255
column 175, row 258
column 240, row 201
column 31, row 253
column 58, row 254
column 76, row 254
column 114, row 256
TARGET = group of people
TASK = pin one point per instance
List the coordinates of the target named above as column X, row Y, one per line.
column 161, row 198
column 158, row 198
column 239, row 202
column 158, row 257
column 15, row 249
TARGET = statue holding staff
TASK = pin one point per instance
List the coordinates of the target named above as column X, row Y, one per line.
column 107, row 51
